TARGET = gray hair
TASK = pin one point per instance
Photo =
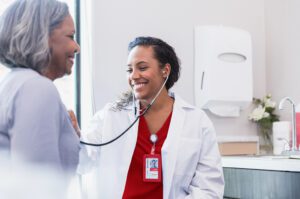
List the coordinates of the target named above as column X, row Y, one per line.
column 24, row 32
column 123, row 101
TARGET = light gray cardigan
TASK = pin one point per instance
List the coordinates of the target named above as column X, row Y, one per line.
column 34, row 123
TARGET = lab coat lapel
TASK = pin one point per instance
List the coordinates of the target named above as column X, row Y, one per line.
column 170, row 147
column 113, row 186
column 126, row 154
column 131, row 139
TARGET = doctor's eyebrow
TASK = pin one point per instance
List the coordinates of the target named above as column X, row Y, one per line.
column 141, row 62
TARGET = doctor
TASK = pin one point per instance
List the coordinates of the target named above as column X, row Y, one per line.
column 179, row 137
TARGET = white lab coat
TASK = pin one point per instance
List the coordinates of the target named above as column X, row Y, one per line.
column 191, row 161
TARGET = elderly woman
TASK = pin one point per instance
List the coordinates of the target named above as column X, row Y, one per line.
column 37, row 43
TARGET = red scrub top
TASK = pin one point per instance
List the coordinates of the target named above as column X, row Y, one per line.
column 135, row 186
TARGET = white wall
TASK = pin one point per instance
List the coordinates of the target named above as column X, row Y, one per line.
column 283, row 50
column 116, row 23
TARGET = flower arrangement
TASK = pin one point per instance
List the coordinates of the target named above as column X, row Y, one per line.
column 264, row 116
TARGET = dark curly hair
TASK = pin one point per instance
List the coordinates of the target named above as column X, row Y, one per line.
column 164, row 53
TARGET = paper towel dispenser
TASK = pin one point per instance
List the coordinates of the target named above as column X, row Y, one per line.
column 223, row 69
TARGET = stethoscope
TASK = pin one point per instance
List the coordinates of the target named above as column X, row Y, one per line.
column 131, row 125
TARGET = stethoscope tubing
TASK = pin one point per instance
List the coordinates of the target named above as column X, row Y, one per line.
column 131, row 125
column 127, row 129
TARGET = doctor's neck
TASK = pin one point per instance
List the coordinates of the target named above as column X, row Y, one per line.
column 162, row 101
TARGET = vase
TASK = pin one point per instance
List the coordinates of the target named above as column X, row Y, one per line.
column 265, row 139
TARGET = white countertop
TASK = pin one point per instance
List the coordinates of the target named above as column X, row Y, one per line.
column 275, row 163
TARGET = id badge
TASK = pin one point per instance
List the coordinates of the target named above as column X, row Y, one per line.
column 152, row 168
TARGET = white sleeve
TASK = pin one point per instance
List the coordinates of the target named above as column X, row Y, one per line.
column 89, row 155
column 93, row 133
column 208, row 181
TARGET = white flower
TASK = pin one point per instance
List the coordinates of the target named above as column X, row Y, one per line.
column 266, row 114
column 264, row 111
column 257, row 114
column 269, row 103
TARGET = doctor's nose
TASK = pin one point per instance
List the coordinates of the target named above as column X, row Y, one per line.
column 134, row 74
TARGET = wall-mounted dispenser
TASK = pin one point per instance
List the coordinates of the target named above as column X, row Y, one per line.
column 223, row 69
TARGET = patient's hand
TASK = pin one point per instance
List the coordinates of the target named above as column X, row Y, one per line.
column 74, row 122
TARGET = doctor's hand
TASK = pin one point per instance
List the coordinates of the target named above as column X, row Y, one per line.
column 74, row 122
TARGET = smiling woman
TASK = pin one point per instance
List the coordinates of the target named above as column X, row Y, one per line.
column 178, row 137
column 36, row 43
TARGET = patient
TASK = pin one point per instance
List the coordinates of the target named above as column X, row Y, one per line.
column 37, row 44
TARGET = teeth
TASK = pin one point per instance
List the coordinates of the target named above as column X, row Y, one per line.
column 136, row 86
